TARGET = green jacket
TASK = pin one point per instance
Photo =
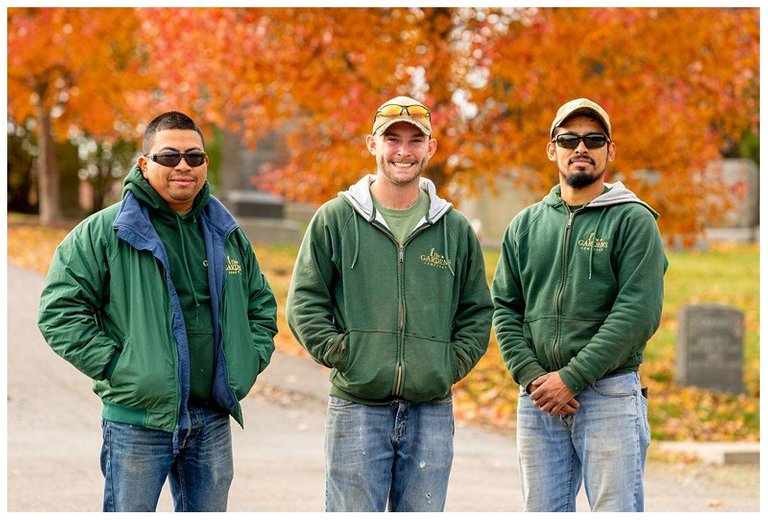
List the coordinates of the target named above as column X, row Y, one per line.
column 109, row 307
column 392, row 322
column 579, row 292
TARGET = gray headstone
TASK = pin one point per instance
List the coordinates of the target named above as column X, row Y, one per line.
column 253, row 203
column 710, row 347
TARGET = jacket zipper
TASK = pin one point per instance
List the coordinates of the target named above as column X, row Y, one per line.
column 399, row 353
column 401, row 319
column 561, row 290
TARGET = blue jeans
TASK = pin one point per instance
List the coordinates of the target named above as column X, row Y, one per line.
column 135, row 462
column 396, row 457
column 604, row 443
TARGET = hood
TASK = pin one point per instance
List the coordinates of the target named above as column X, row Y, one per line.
column 359, row 197
column 139, row 186
column 616, row 194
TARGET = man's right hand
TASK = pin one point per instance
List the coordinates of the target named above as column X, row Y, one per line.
column 570, row 407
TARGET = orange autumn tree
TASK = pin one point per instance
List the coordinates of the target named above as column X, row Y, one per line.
column 217, row 64
column 68, row 69
column 680, row 85
column 314, row 75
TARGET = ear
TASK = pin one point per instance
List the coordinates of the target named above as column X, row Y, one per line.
column 551, row 152
column 432, row 147
column 142, row 162
column 611, row 151
column 370, row 143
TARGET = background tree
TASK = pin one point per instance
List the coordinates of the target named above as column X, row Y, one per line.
column 680, row 86
column 103, row 163
column 319, row 75
column 22, row 189
column 494, row 78
column 70, row 68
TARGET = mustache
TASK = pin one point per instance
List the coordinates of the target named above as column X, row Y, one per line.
column 581, row 157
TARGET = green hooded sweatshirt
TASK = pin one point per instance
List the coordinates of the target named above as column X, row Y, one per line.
column 579, row 292
column 392, row 321
column 183, row 239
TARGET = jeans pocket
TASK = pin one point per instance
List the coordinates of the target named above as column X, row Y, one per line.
column 338, row 402
column 620, row 385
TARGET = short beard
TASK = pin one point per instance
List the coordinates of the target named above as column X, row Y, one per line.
column 384, row 170
column 580, row 180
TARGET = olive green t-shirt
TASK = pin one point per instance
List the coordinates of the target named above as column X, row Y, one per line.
column 402, row 221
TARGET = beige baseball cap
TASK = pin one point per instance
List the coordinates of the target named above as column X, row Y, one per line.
column 581, row 106
column 418, row 115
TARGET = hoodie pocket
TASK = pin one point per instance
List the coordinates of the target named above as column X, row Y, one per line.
column 366, row 367
column 430, row 369
column 334, row 357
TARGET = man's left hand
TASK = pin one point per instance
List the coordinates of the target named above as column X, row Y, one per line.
column 554, row 397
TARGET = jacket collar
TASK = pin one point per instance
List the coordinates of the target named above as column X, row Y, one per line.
column 359, row 197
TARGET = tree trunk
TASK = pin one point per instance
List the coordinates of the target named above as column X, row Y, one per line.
column 47, row 168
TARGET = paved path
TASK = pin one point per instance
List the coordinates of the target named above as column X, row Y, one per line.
column 54, row 438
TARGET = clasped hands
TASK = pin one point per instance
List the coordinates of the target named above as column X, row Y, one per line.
column 552, row 396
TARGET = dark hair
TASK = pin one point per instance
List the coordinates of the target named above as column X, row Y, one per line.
column 168, row 121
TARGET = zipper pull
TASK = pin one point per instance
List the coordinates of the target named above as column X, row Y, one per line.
column 400, row 255
column 570, row 219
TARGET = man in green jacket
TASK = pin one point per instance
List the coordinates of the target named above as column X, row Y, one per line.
column 160, row 300
column 389, row 291
column 578, row 293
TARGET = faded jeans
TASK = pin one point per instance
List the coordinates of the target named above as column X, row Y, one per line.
column 603, row 443
column 135, row 462
column 396, row 457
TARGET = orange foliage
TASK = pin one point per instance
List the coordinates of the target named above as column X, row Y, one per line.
column 680, row 85
column 77, row 65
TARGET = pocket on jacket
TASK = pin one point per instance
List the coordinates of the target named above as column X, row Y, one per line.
column 367, row 367
column 430, row 369
column 335, row 356
column 141, row 378
column 112, row 365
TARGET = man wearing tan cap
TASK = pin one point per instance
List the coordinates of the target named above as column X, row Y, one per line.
column 578, row 293
column 389, row 291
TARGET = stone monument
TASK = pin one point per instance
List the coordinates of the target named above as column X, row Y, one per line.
column 710, row 347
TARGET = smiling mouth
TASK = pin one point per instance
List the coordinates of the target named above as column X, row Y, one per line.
column 403, row 164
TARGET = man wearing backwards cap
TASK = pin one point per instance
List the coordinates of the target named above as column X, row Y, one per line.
column 389, row 291
column 578, row 292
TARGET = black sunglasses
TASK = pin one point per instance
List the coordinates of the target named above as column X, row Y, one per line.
column 193, row 158
column 591, row 141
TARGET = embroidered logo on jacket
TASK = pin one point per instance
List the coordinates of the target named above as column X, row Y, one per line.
column 593, row 242
column 434, row 259
column 233, row 266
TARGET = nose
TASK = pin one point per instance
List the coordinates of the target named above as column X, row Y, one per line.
column 403, row 150
column 183, row 165
column 582, row 147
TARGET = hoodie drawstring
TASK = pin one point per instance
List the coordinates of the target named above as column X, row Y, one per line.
column 357, row 242
column 445, row 246
column 594, row 239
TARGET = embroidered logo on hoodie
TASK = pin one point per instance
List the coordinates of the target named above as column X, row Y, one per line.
column 434, row 259
column 593, row 242
column 233, row 266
